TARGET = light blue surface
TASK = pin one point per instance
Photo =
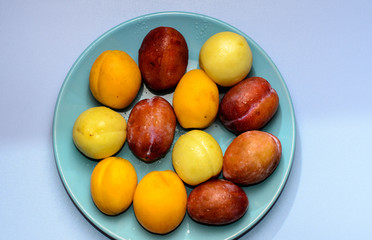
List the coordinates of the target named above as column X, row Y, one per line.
column 75, row 97
column 322, row 49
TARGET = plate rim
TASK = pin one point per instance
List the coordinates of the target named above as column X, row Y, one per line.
column 66, row 185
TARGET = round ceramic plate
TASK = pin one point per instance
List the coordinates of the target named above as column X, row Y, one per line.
column 75, row 97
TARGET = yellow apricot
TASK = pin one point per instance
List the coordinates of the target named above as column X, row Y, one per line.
column 99, row 132
column 160, row 201
column 197, row 157
column 196, row 100
column 113, row 183
column 115, row 79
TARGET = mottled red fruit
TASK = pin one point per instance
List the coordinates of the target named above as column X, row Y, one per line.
column 217, row 202
column 251, row 157
column 163, row 58
column 151, row 128
column 249, row 105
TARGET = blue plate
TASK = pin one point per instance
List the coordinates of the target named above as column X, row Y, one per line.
column 75, row 97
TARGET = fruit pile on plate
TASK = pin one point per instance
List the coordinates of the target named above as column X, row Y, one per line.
column 159, row 199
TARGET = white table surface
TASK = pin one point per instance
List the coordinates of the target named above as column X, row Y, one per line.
column 323, row 49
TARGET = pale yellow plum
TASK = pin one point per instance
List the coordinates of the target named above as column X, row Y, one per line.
column 197, row 157
column 226, row 58
column 99, row 132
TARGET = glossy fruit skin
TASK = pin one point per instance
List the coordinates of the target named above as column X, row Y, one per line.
column 251, row 157
column 196, row 100
column 160, row 201
column 163, row 58
column 217, row 202
column 249, row 105
column 115, row 79
column 99, row 132
column 113, row 182
column 226, row 58
column 151, row 128
column 197, row 157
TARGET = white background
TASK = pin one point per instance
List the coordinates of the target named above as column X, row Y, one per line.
column 323, row 50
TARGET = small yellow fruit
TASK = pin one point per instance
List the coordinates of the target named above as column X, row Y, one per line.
column 113, row 183
column 115, row 79
column 197, row 157
column 226, row 58
column 160, row 201
column 196, row 100
column 99, row 132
